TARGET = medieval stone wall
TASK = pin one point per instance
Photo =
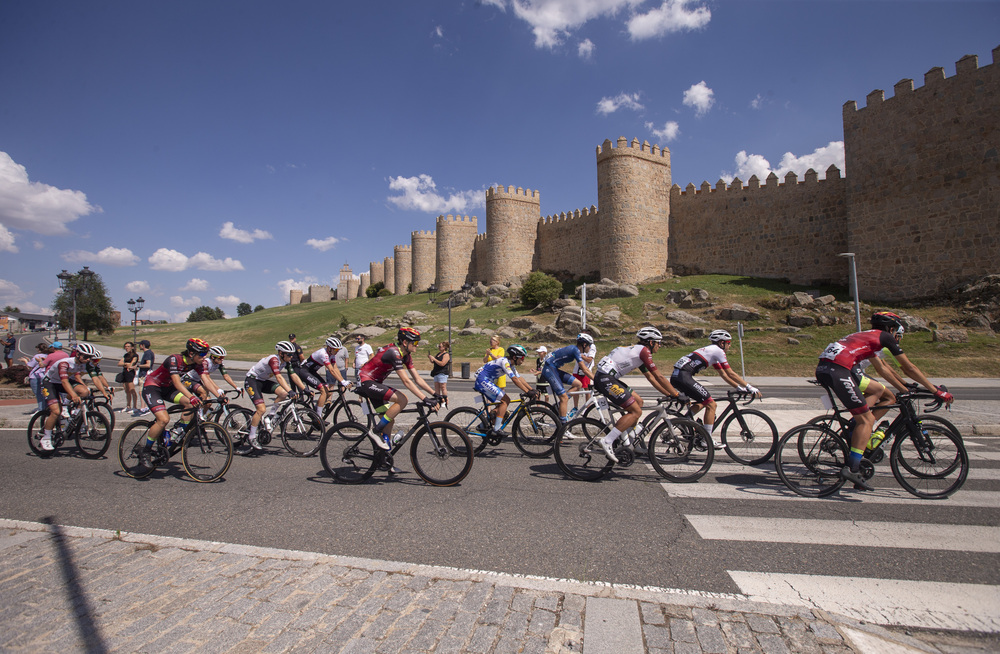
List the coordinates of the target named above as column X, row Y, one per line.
column 390, row 274
column 423, row 246
column 511, row 227
column 403, row 262
column 364, row 283
column 569, row 243
column 455, row 238
column 376, row 272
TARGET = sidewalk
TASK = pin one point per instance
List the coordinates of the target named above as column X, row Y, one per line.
column 74, row 589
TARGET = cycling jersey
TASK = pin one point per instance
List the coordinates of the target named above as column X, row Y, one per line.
column 194, row 375
column 175, row 364
column 496, row 369
column 268, row 367
column 387, row 359
column 64, row 369
column 562, row 356
column 317, row 360
column 860, row 346
column 623, row 360
column 703, row 357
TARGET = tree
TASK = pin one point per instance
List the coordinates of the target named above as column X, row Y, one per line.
column 206, row 313
column 243, row 309
column 373, row 290
column 94, row 310
column 259, row 307
column 10, row 309
column 539, row 290
column 343, row 322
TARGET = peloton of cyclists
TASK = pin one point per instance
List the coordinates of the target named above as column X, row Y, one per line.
column 259, row 381
column 486, row 382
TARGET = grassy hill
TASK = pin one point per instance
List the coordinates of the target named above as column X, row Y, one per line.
column 766, row 351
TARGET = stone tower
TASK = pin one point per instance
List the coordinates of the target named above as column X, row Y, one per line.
column 455, row 238
column 423, row 246
column 511, row 227
column 403, row 258
column 390, row 274
column 376, row 270
column 633, row 198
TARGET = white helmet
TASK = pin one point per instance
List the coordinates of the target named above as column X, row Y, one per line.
column 86, row 349
column 720, row 335
column 649, row 334
column 334, row 343
column 584, row 338
column 217, row 351
column 97, row 354
column 285, row 347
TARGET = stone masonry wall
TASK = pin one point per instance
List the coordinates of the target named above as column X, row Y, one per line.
column 295, row 296
column 511, row 227
column 788, row 231
column 364, row 283
column 923, row 190
column 390, row 274
column 424, row 259
column 455, row 238
column 568, row 243
column 376, row 272
column 320, row 293
column 403, row 268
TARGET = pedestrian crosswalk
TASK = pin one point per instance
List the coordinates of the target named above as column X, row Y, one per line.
column 959, row 531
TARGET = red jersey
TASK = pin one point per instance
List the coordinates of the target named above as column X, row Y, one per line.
column 175, row 364
column 387, row 358
column 850, row 350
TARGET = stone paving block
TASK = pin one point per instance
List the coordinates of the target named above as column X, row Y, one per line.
column 270, row 625
column 772, row 643
column 704, row 616
column 379, row 627
column 711, row 639
column 651, row 613
column 483, row 638
column 427, row 636
column 476, row 596
column 676, row 611
column 738, row 635
column 826, row 633
column 522, row 602
column 495, row 611
column 360, row 646
column 542, row 622
column 762, row 624
column 682, row 631
column 287, row 641
column 656, row 636
column 686, row 648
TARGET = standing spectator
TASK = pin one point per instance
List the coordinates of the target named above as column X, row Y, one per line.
column 340, row 360
column 146, row 362
column 588, row 359
column 128, row 363
column 496, row 352
column 297, row 358
column 441, row 370
column 541, row 385
column 8, row 349
column 362, row 352
column 36, row 372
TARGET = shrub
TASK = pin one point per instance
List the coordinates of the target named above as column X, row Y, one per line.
column 384, row 292
column 540, row 290
column 15, row 374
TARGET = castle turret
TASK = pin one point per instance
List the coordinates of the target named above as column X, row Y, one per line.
column 376, row 273
column 403, row 260
column 364, row 283
column 511, row 227
column 390, row 274
column 295, row 296
column 633, row 199
column 455, row 238
column 424, row 260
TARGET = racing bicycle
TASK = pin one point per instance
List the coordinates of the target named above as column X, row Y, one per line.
column 534, row 425
column 86, row 425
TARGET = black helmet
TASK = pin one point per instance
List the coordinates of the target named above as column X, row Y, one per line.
column 887, row 322
column 516, row 352
column 407, row 334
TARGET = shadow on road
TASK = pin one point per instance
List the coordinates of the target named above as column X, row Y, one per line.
column 81, row 610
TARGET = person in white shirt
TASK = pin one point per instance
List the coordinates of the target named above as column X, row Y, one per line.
column 362, row 352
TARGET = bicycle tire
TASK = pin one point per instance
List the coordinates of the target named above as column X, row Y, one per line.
column 434, row 461
column 594, row 413
column 348, row 460
column 352, row 411
column 104, row 407
column 922, row 419
column 680, row 450
column 535, row 429
column 36, row 427
column 130, row 444
column 473, row 422
column 302, row 431
column 237, row 423
column 753, row 444
column 207, row 452
column 834, row 423
column 93, row 437
column 578, row 455
column 930, row 475
column 808, row 460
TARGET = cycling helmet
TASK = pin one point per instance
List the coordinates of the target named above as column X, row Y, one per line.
column 197, row 346
column 516, row 352
column 407, row 334
column 285, row 347
column 86, row 349
column 887, row 322
column 97, row 355
column 334, row 343
column 584, row 338
column 720, row 335
column 649, row 334
column 217, row 351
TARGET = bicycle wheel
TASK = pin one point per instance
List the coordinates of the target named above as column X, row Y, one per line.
column 808, row 460
column 207, row 452
column 94, row 436
column 681, row 450
column 237, row 423
column 473, row 422
column 35, row 430
column 535, row 430
column 345, row 457
column 104, row 407
column 351, row 411
column 301, row 432
column 437, row 463
column 749, row 436
column 579, row 456
column 931, row 467
column 130, row 445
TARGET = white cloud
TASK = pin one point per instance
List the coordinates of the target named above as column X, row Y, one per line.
column 180, row 316
column 700, row 97
column 11, row 293
column 6, row 240
column 420, row 194
column 620, row 101
column 195, row 285
column 585, row 50
column 156, row 314
column 286, row 285
column 671, row 16
column 323, row 244
column 667, row 133
column 757, row 102
column 241, row 235
column 109, row 256
column 137, row 286
column 178, row 301
column 819, row 160
column 38, row 245
column 227, row 299
column 35, row 206
column 439, row 31
column 174, row 261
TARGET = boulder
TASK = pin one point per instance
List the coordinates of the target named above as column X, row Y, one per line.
column 479, row 290
column 792, row 341
column 413, row 317
column 800, row 299
column 684, row 317
column 494, row 301
column 471, row 322
column 608, row 288
column 470, row 331
column 678, row 296
column 498, row 289
column 562, row 303
column 914, row 323
column 523, row 323
column 800, row 320
column 547, row 334
column 507, row 333
column 950, row 336
column 476, row 305
column 825, row 300
column 788, row 329
column 825, row 320
column 700, row 294
column 370, row 331
column 738, row 312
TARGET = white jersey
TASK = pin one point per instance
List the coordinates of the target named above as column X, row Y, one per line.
column 64, row 369
column 265, row 368
column 591, row 353
column 623, row 360
column 710, row 355
column 318, row 359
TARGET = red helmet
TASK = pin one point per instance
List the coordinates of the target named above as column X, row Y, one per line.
column 407, row 334
column 197, row 346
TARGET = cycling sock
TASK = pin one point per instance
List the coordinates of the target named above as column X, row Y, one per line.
column 612, row 436
column 854, row 459
column 382, row 424
column 497, row 423
column 253, row 432
column 709, row 427
column 46, row 433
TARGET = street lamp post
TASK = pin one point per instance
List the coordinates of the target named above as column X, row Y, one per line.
column 854, row 288
column 68, row 280
column 465, row 287
column 135, row 306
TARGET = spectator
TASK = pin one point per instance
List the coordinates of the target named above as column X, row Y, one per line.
column 128, row 363
column 146, row 361
column 441, row 370
column 362, row 352
column 9, row 344
column 496, row 352
column 297, row 358
column 36, row 372
column 541, row 385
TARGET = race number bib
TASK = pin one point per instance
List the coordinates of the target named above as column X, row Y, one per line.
column 832, row 350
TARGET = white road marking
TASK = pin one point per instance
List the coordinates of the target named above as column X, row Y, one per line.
column 777, row 491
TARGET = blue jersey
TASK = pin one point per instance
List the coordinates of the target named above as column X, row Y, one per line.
column 562, row 356
column 496, row 369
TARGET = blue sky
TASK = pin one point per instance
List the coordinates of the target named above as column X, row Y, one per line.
column 225, row 151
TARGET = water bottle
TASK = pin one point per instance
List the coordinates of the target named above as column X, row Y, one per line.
column 878, row 435
column 398, row 436
column 65, row 411
column 267, row 423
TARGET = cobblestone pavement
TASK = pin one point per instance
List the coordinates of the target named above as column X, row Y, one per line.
column 70, row 589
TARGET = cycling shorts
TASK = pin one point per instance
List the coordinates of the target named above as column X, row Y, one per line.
column 844, row 385
column 492, row 392
column 156, row 397
column 311, row 380
column 376, row 392
column 687, row 384
column 557, row 379
column 52, row 392
column 256, row 388
column 618, row 392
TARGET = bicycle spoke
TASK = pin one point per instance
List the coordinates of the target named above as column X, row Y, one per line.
column 578, row 455
column 681, row 450
column 207, row 452
column 346, row 458
column 437, row 463
column 934, row 465
column 809, row 459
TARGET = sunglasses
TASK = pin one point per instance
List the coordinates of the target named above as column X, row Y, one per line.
column 83, row 357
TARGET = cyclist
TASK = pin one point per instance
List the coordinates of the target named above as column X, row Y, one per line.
column 94, row 370
column 64, row 376
column 192, row 379
column 607, row 381
column 396, row 357
column 588, row 357
column 713, row 354
column 258, row 381
column 323, row 359
column 837, row 371
column 557, row 379
column 506, row 366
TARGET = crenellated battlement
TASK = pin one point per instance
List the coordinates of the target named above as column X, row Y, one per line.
column 567, row 216
column 457, row 220
column 423, row 234
column 481, row 238
column 401, row 248
column 526, row 195
column 771, row 183
column 625, row 148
